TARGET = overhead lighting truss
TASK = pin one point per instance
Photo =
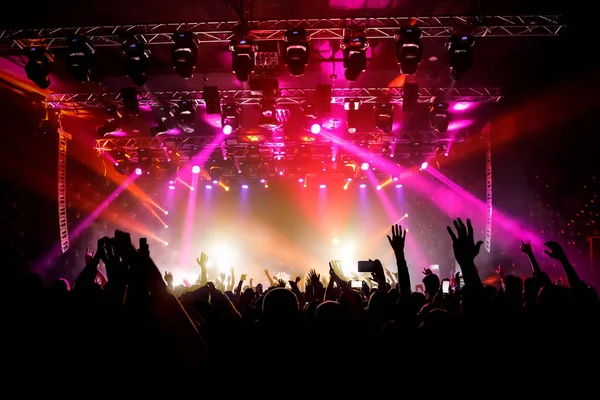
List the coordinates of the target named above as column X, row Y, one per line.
column 285, row 96
column 379, row 143
column 316, row 29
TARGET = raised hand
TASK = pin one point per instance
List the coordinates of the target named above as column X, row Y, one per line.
column 465, row 248
column 397, row 239
column 314, row 277
column 526, row 248
column 168, row 277
column 427, row 271
column 556, row 251
column 88, row 256
column 500, row 271
column 223, row 277
column 281, row 283
column 203, row 260
column 243, row 278
column 378, row 275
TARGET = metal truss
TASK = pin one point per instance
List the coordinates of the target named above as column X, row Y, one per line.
column 62, row 189
column 318, row 29
column 488, row 191
column 285, row 96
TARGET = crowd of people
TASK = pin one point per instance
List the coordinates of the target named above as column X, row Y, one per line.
column 132, row 328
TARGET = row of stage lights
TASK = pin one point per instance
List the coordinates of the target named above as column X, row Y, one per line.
column 409, row 53
column 304, row 181
column 183, row 114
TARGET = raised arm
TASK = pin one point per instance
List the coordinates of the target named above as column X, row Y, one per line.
column 526, row 249
column 558, row 253
column 397, row 240
column 465, row 251
column 202, row 261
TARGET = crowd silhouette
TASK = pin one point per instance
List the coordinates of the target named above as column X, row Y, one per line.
column 134, row 330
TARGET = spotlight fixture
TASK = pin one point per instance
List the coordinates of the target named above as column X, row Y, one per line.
column 424, row 165
column 38, row 67
column 355, row 57
column 408, row 49
column 121, row 162
column 136, row 60
column 296, row 51
column 144, row 161
column 438, row 115
column 164, row 119
column 460, row 54
column 185, row 54
column 242, row 57
column 195, row 169
column 311, row 122
column 112, row 122
column 352, row 106
column 184, row 114
column 230, row 121
column 215, row 173
column 80, row 58
column 384, row 117
column 268, row 116
column 364, row 166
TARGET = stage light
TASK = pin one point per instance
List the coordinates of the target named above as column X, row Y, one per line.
column 136, row 60
column 310, row 119
column 460, row 54
column 208, row 187
column 131, row 105
column 171, row 187
column 230, row 118
column 166, row 226
column 166, row 243
column 268, row 116
column 185, row 54
column 138, row 171
column 38, row 67
column 384, row 117
column 296, row 51
column 121, row 162
column 300, row 180
column 405, row 215
column 244, row 186
column 185, row 113
column 322, row 186
column 164, row 118
column 408, row 49
column 112, row 122
column 355, row 57
column 352, row 118
column 262, row 180
column 166, row 213
column 216, row 182
column 215, row 173
column 439, row 117
column 362, row 185
column 195, row 169
column 192, row 188
column 424, row 165
column 364, row 166
column 144, row 161
column 399, row 186
column 242, row 57
column 80, row 58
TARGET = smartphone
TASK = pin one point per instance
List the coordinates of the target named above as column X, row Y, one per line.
column 365, row 266
column 446, row 286
column 356, row 284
